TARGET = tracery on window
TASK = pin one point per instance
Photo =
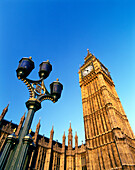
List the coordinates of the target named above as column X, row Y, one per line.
column 83, row 161
column 56, row 161
column 40, row 162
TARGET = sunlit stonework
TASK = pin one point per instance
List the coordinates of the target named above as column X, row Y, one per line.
column 109, row 139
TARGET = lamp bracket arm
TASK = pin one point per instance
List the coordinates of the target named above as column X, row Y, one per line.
column 36, row 88
column 47, row 97
column 34, row 81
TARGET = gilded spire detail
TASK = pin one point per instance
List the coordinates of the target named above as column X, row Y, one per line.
column 88, row 51
column 89, row 56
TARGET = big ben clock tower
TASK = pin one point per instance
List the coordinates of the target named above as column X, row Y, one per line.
column 109, row 138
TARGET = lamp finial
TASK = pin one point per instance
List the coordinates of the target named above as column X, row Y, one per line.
column 30, row 131
column 14, row 130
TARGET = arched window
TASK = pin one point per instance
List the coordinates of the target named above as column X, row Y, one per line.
column 83, row 161
column 57, row 161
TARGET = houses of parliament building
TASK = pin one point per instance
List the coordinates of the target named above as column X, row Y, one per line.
column 109, row 139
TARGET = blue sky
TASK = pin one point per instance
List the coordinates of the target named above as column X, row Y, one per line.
column 61, row 31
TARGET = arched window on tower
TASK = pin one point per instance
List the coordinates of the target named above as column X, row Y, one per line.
column 57, row 161
column 83, row 161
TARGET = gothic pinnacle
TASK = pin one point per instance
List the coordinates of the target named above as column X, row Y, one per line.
column 70, row 129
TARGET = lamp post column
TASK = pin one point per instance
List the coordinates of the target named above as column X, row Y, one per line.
column 27, row 145
column 33, row 105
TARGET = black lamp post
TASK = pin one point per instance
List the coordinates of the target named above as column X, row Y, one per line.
column 38, row 93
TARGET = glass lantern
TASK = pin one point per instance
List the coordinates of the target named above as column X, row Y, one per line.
column 56, row 89
column 26, row 65
column 45, row 69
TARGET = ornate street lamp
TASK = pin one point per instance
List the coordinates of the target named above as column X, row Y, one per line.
column 37, row 88
column 38, row 93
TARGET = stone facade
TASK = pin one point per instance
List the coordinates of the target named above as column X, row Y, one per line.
column 110, row 142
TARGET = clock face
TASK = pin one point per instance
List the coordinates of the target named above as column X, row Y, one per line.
column 87, row 70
